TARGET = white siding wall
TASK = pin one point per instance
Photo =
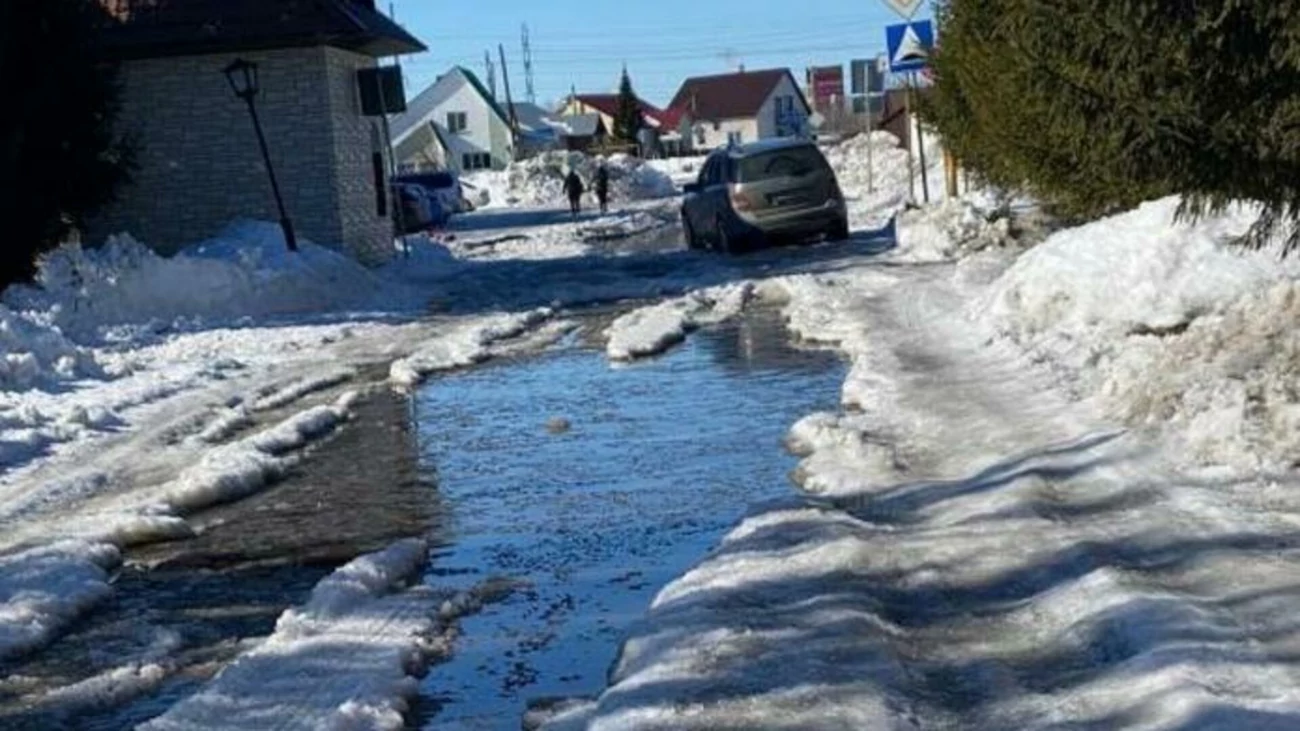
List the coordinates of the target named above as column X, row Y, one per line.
column 767, row 114
column 748, row 129
column 477, row 136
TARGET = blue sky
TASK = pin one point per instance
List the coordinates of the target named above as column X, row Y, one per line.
column 584, row 43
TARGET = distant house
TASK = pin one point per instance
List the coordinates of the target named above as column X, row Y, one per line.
column 199, row 165
column 455, row 124
column 581, row 132
column 537, row 129
column 739, row 107
column 606, row 105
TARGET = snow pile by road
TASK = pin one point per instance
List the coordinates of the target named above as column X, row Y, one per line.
column 245, row 271
column 681, row 170
column 465, row 345
column 34, row 354
column 1169, row 325
column 539, row 181
column 652, row 330
column 44, row 589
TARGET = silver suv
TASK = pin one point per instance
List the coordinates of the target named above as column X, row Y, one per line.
column 750, row 195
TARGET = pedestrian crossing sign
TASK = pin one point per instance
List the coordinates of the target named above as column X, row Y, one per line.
column 909, row 45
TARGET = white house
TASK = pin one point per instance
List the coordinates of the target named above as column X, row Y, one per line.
column 455, row 124
column 741, row 107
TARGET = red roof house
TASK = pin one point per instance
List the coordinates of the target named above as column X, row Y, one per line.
column 740, row 107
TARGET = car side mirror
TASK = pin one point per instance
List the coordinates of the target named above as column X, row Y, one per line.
column 691, row 188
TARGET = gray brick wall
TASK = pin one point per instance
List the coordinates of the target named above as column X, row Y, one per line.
column 200, row 167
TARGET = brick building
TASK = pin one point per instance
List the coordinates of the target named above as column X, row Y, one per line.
column 199, row 162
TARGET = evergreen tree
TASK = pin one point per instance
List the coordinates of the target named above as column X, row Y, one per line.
column 1096, row 106
column 627, row 118
column 59, row 158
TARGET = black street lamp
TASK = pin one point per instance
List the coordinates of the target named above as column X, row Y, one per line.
column 242, row 76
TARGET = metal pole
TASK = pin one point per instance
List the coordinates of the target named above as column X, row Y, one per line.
column 286, row 225
column 390, row 167
column 920, row 151
column 871, row 167
column 907, row 125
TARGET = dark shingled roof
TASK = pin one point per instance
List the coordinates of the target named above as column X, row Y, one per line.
column 159, row 28
column 729, row 96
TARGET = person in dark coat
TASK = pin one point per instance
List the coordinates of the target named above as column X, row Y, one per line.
column 602, row 187
column 574, row 189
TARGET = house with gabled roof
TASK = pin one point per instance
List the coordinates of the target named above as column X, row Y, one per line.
column 455, row 124
column 606, row 105
column 198, row 163
column 739, row 107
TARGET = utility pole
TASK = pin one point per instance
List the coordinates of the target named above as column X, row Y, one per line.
column 510, row 104
column 491, row 72
column 529, row 94
column 920, row 147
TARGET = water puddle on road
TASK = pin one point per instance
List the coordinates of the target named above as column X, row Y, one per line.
column 659, row 459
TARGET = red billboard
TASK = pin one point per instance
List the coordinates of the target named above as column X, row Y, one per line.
column 827, row 86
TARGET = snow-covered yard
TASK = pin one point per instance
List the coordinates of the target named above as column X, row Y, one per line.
column 1060, row 492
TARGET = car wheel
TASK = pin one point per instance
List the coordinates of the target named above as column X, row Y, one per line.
column 839, row 231
column 692, row 241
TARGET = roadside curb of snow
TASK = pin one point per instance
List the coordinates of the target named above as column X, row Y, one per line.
column 74, row 573
column 465, row 345
column 651, row 330
column 366, row 634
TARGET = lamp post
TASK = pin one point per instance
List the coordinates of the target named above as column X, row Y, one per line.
column 242, row 76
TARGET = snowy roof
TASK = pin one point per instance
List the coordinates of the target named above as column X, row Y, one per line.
column 531, row 116
column 421, row 109
column 150, row 29
column 579, row 125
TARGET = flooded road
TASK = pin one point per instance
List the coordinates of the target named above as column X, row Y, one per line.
column 597, row 484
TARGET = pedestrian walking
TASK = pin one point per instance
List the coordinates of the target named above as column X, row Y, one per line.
column 574, row 189
column 602, row 187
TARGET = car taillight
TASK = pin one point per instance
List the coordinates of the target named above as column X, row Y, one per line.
column 741, row 201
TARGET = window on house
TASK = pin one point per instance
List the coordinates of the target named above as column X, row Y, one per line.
column 734, row 138
column 475, row 161
column 457, row 122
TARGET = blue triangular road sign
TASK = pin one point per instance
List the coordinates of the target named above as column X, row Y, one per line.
column 909, row 45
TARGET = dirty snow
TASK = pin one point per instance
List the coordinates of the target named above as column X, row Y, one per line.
column 347, row 659
column 1169, row 325
column 653, row 329
column 43, row 589
column 465, row 345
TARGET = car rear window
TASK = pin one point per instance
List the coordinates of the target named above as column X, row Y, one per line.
column 788, row 162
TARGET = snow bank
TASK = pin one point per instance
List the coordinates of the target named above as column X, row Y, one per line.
column 44, row 589
column 35, row 354
column 681, row 170
column 653, row 329
column 342, row 661
column 245, row 271
column 1168, row 325
column 539, row 181
column 464, row 345
column 345, row 660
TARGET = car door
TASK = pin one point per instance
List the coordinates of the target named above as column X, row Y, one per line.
column 712, row 192
column 696, row 202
